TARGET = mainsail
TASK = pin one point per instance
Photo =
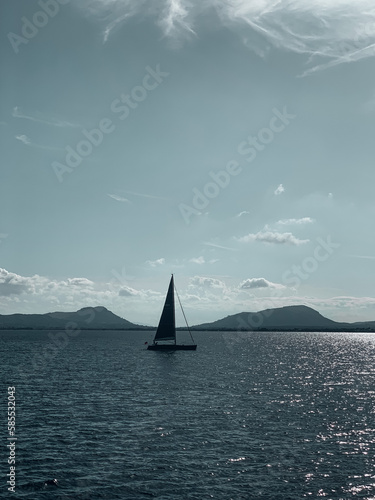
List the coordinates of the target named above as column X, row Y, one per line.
column 167, row 327
column 166, row 331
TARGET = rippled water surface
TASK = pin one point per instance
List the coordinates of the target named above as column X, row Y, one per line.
column 255, row 415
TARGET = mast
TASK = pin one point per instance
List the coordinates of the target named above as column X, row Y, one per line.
column 174, row 308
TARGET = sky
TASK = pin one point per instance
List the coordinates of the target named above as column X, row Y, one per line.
column 230, row 143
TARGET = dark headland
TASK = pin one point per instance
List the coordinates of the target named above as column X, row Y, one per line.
column 288, row 318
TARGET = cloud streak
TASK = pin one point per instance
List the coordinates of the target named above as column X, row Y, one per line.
column 39, row 118
column 113, row 25
column 144, row 195
column 214, row 245
column 27, row 142
column 368, row 257
column 303, row 220
column 119, row 198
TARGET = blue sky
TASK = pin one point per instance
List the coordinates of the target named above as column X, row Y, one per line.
column 229, row 143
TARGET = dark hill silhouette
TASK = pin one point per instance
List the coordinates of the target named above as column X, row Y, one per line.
column 281, row 318
column 93, row 318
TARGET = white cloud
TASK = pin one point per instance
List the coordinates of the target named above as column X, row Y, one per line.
column 205, row 298
column 272, row 237
column 280, row 189
column 252, row 283
column 13, row 284
column 197, row 260
column 175, row 17
column 127, row 291
column 155, row 263
column 80, row 282
column 241, row 214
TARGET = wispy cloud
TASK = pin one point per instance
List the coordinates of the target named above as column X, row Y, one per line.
column 23, row 138
column 176, row 17
column 327, row 33
column 119, row 198
column 39, row 118
column 279, row 190
column 272, row 237
column 27, row 141
column 144, row 195
column 198, row 260
column 241, row 214
column 351, row 55
column 303, row 220
column 113, row 25
column 215, row 245
column 155, row 263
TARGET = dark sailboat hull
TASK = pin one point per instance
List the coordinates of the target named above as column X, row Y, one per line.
column 171, row 347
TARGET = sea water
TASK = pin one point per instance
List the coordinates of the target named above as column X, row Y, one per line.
column 246, row 416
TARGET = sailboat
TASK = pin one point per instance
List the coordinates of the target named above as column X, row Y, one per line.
column 165, row 336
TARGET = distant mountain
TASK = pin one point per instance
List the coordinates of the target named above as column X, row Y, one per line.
column 93, row 318
column 281, row 318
